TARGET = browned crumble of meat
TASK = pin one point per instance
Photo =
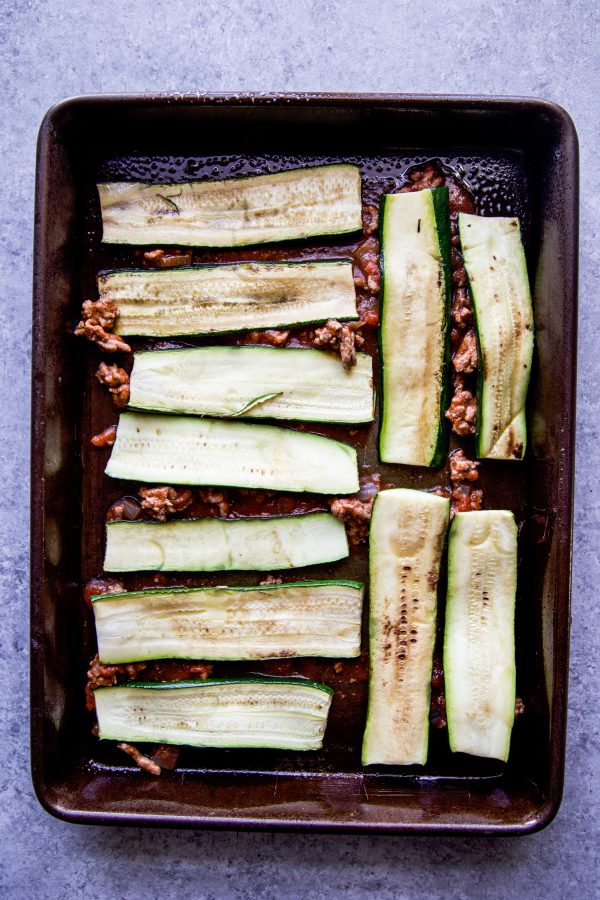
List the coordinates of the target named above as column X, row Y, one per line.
column 370, row 218
column 95, row 730
column 166, row 756
column 271, row 579
column 338, row 667
column 117, row 382
column 366, row 271
column 519, row 707
column 437, row 714
column 462, row 411
column 465, row 499
column 216, row 497
column 465, row 358
column 462, row 468
column 106, row 438
column 201, row 670
column 98, row 318
column 462, row 313
column 424, row 178
column 160, row 502
column 355, row 512
column 166, row 259
column 343, row 337
column 125, row 509
column 104, row 585
column 271, row 336
column 101, row 675
column 144, row 762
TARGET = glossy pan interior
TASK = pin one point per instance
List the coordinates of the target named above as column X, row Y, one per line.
column 519, row 157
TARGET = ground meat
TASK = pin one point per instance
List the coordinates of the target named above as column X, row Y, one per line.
column 271, row 336
column 366, row 269
column 104, row 585
column 464, row 498
column 342, row 337
column 355, row 512
column 202, row 671
column 216, row 497
column 437, row 714
column 519, row 707
column 338, row 667
column 429, row 176
column 271, row 579
column 166, row 259
column 462, row 314
column 106, row 438
column 100, row 675
column 161, row 502
column 98, row 318
column 144, row 762
column 370, row 218
column 459, row 276
column 462, row 468
column 117, row 382
column 166, row 756
column 462, row 411
column 126, row 509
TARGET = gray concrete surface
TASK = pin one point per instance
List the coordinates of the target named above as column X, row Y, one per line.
column 50, row 50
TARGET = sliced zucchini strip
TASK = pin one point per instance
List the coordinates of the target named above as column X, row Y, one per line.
column 479, row 642
column 497, row 272
column 415, row 257
column 186, row 450
column 216, row 299
column 407, row 535
column 243, row 712
column 311, row 618
column 297, row 203
column 210, row 545
column 265, row 382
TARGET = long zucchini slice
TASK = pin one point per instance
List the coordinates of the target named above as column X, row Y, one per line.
column 186, row 450
column 497, row 272
column 311, row 618
column 217, row 299
column 243, row 712
column 211, row 545
column 479, row 642
column 265, row 382
column 285, row 206
column 408, row 529
column 415, row 256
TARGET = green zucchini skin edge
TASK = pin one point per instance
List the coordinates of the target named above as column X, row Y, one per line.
column 191, row 683
column 440, row 197
column 99, row 598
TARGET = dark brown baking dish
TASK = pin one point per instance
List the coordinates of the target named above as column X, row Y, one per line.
column 519, row 157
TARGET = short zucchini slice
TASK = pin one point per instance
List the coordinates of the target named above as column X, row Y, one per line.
column 310, row 618
column 264, row 382
column 407, row 536
column 288, row 205
column 243, row 712
column 479, row 642
column 497, row 272
column 415, row 257
column 224, row 298
column 212, row 545
column 187, row 450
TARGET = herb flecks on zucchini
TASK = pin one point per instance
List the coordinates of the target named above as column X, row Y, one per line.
column 263, row 382
column 407, row 535
column 311, row 618
column 415, row 256
column 497, row 272
column 189, row 450
column 276, row 712
column 234, row 297
column 479, row 643
column 211, row 545
column 288, row 205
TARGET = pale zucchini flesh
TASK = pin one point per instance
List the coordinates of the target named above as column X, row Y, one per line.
column 407, row 535
column 212, row 544
column 497, row 272
column 188, row 450
column 479, row 641
column 288, row 205
column 225, row 298
column 415, row 242
column 280, row 713
column 312, row 618
column 264, row 382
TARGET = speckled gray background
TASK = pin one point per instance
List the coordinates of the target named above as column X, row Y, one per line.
column 50, row 49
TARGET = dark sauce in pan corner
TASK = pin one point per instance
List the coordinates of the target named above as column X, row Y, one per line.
column 498, row 184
